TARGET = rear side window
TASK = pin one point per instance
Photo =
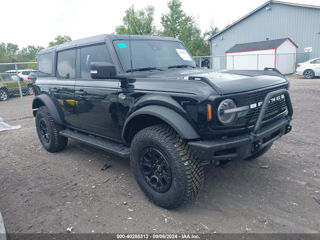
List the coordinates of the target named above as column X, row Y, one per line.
column 6, row 77
column 316, row 61
column 45, row 63
column 96, row 53
column 66, row 64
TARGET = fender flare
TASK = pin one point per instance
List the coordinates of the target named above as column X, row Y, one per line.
column 44, row 99
column 169, row 116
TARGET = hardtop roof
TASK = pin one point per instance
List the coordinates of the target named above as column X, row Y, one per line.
column 102, row 38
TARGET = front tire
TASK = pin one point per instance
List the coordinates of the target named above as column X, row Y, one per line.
column 48, row 131
column 4, row 95
column 164, row 167
column 309, row 74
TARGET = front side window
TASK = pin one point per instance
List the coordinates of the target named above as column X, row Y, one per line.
column 96, row 53
column 45, row 63
column 66, row 64
column 152, row 54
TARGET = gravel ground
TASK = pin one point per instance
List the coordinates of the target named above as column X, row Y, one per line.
column 277, row 193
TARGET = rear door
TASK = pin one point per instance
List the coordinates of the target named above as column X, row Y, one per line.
column 63, row 88
column 96, row 99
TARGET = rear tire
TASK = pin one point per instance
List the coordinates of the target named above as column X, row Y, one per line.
column 260, row 153
column 4, row 95
column 164, row 167
column 309, row 74
column 48, row 131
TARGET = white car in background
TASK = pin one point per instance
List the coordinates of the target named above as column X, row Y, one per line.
column 309, row 69
column 23, row 73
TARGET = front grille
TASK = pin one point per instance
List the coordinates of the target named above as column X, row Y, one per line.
column 273, row 109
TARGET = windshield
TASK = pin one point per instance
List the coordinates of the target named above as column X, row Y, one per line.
column 152, row 54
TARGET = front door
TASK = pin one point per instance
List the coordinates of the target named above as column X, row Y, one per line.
column 96, row 100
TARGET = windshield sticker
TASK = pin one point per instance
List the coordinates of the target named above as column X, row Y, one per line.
column 184, row 54
column 122, row 45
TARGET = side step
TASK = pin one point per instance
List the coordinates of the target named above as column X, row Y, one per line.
column 104, row 144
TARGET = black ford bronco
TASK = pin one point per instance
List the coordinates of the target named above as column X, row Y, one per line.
column 143, row 97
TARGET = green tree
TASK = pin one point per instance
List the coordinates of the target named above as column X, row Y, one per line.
column 12, row 50
column 59, row 40
column 29, row 53
column 213, row 30
column 10, row 53
column 139, row 22
column 179, row 25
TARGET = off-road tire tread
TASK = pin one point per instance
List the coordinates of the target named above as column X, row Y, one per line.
column 193, row 169
column 59, row 142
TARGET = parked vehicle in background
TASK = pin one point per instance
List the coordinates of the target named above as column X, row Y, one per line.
column 33, row 76
column 309, row 69
column 143, row 97
column 16, row 77
column 23, row 73
column 9, row 86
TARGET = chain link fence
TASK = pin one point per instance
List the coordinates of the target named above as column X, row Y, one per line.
column 16, row 92
column 285, row 62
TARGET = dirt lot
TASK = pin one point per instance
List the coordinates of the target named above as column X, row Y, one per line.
column 43, row 192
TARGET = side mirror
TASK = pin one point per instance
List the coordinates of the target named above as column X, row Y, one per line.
column 102, row 70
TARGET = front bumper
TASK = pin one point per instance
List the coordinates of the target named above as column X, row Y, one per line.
column 244, row 146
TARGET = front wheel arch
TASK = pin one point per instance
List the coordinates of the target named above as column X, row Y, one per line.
column 152, row 115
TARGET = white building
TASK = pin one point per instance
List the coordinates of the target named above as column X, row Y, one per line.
column 278, row 53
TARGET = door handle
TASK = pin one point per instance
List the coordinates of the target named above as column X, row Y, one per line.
column 81, row 92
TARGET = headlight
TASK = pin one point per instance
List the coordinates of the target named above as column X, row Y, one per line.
column 225, row 116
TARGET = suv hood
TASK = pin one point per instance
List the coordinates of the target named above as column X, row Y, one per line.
column 223, row 82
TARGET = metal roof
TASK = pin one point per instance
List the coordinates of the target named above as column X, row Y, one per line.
column 259, row 8
column 251, row 46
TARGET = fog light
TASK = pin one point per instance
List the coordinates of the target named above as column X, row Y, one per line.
column 255, row 147
column 288, row 129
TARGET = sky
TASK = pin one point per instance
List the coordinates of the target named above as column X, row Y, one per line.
column 37, row 22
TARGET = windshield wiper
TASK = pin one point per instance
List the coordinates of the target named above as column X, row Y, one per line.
column 144, row 69
column 181, row 66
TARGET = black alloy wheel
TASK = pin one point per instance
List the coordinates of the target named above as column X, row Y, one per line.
column 156, row 170
column 43, row 130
